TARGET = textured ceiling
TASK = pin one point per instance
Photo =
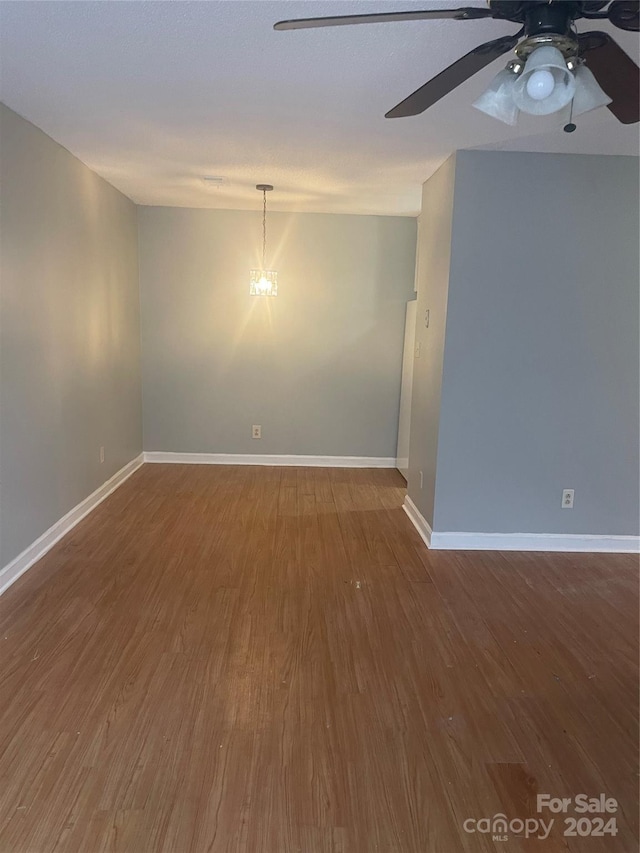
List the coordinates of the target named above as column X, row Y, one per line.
column 154, row 95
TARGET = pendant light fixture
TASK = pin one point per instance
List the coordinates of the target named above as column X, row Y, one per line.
column 264, row 282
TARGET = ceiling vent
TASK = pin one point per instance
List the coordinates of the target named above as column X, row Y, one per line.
column 214, row 182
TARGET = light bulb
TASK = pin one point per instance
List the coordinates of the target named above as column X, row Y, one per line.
column 540, row 84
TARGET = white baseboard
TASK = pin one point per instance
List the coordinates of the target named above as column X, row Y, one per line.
column 418, row 520
column 19, row 565
column 454, row 541
column 271, row 459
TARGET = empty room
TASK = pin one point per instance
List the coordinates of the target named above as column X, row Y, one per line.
column 319, row 426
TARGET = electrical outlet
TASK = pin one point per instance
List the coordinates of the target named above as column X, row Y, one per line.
column 421, row 480
column 256, row 431
column 567, row 499
column 101, row 455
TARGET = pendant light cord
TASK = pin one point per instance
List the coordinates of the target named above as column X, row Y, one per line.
column 264, row 226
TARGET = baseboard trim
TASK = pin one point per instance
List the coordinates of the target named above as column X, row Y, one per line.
column 19, row 565
column 270, row 459
column 454, row 541
column 418, row 520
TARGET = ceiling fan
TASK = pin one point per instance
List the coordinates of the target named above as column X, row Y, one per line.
column 550, row 68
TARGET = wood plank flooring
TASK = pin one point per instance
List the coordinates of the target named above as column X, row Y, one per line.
column 268, row 660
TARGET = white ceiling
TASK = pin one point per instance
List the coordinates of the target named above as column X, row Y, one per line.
column 154, row 95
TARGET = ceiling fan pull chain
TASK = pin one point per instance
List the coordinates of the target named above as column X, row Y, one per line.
column 570, row 126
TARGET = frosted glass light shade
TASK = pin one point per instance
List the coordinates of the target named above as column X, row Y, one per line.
column 589, row 95
column 497, row 101
column 547, row 60
column 263, row 283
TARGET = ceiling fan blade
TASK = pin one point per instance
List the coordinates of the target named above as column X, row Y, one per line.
column 453, row 76
column 625, row 14
column 616, row 72
column 462, row 14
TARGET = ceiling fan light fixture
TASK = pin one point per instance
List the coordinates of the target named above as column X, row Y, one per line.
column 546, row 85
column 589, row 94
column 497, row 101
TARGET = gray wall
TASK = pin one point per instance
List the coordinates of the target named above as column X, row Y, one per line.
column 540, row 383
column 432, row 277
column 318, row 366
column 69, row 335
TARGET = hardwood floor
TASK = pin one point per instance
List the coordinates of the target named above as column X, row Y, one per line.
column 268, row 660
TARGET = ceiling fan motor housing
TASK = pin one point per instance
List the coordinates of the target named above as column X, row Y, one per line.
column 543, row 16
column 545, row 22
